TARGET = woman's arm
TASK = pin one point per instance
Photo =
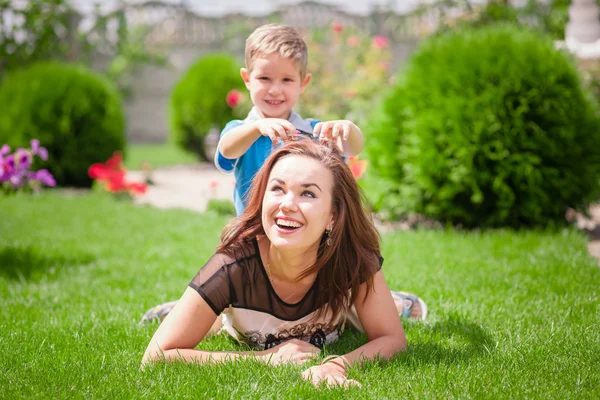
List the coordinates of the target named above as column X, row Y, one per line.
column 379, row 317
column 181, row 331
column 189, row 322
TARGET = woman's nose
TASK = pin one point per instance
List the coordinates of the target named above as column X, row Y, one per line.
column 288, row 203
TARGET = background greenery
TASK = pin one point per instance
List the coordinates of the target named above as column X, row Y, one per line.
column 157, row 155
column 486, row 127
column 74, row 112
column 513, row 315
column 53, row 33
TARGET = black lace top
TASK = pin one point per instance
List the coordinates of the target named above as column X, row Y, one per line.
column 238, row 287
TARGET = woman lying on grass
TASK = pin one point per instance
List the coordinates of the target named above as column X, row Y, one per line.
column 300, row 260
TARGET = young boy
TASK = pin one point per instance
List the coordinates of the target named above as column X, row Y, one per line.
column 275, row 75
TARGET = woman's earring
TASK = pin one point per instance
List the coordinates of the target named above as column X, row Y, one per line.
column 328, row 241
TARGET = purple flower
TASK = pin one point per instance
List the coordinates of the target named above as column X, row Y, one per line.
column 43, row 176
column 17, row 180
column 36, row 149
column 9, row 164
column 4, row 150
column 43, row 153
column 22, row 159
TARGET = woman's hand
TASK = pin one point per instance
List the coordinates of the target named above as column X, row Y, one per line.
column 331, row 373
column 293, row 351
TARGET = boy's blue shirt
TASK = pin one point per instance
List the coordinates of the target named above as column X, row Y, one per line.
column 245, row 167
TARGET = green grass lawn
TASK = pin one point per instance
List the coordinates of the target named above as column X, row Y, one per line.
column 513, row 315
column 158, row 155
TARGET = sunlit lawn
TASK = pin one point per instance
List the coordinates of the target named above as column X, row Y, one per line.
column 513, row 315
column 158, row 155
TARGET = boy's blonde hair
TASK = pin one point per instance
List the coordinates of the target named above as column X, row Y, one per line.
column 281, row 39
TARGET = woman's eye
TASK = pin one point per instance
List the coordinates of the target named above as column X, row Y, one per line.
column 288, row 80
column 309, row 194
column 263, row 78
column 276, row 189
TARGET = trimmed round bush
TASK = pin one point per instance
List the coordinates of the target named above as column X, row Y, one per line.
column 485, row 128
column 198, row 101
column 74, row 112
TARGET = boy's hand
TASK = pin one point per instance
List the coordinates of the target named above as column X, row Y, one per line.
column 332, row 130
column 276, row 128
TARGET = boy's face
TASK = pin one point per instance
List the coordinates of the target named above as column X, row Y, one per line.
column 274, row 84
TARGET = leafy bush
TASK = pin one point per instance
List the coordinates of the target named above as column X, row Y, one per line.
column 73, row 111
column 487, row 127
column 198, row 102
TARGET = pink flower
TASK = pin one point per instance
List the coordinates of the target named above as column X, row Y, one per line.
column 383, row 65
column 380, row 42
column 44, row 177
column 350, row 93
column 233, row 98
column 353, row 41
column 36, row 149
column 213, row 184
column 23, row 159
column 337, row 27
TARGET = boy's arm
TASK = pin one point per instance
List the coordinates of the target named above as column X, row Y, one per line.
column 346, row 134
column 355, row 142
column 236, row 141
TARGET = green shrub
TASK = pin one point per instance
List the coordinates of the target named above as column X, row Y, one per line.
column 487, row 127
column 221, row 207
column 75, row 113
column 198, row 104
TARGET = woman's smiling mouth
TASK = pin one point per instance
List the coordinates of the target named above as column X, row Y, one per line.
column 287, row 225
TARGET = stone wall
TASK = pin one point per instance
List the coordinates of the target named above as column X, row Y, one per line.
column 184, row 36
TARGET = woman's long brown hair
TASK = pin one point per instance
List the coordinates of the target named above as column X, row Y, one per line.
column 352, row 257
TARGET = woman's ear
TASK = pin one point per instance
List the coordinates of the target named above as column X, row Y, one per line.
column 331, row 223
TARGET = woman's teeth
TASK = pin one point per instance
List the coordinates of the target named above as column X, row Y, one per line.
column 275, row 103
column 284, row 223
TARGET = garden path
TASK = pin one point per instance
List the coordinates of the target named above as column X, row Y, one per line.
column 188, row 187
column 192, row 186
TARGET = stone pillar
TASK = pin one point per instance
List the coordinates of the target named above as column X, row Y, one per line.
column 584, row 22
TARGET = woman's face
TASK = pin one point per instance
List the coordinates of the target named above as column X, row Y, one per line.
column 297, row 203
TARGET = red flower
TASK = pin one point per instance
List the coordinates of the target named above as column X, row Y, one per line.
column 116, row 184
column 380, row 42
column 116, row 161
column 137, row 187
column 112, row 174
column 357, row 167
column 337, row 27
column 233, row 98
